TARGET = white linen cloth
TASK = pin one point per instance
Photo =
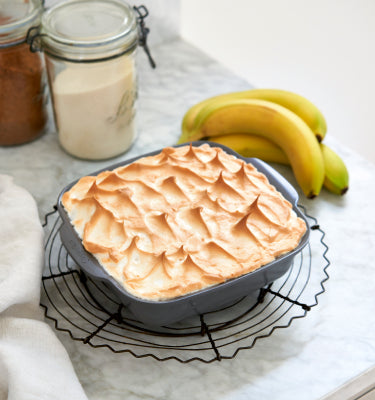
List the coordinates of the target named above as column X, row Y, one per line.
column 34, row 365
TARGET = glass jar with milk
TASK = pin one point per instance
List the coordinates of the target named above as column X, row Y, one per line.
column 89, row 48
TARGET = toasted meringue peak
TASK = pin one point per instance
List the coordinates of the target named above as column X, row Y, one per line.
column 216, row 162
column 108, row 181
column 159, row 224
column 207, row 201
column 171, row 190
column 220, row 186
column 181, row 220
column 194, row 219
column 191, row 154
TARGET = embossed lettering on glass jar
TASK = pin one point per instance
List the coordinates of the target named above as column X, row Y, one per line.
column 23, row 115
column 89, row 48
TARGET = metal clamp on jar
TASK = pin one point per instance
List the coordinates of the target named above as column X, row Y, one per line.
column 89, row 48
column 22, row 79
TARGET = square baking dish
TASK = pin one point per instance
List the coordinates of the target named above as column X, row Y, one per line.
column 165, row 312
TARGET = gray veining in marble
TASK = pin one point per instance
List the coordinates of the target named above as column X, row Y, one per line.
column 333, row 343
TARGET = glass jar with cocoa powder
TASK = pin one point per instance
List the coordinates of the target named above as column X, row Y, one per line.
column 23, row 114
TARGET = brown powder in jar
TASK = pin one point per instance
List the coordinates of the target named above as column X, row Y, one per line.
column 22, row 95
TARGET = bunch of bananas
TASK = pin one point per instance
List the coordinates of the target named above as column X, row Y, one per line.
column 274, row 126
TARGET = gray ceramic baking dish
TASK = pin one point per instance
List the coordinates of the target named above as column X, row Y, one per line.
column 159, row 313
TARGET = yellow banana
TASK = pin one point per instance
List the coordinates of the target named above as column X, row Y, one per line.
column 336, row 178
column 304, row 108
column 248, row 145
column 274, row 122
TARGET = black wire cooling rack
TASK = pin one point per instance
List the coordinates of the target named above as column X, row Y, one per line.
column 89, row 313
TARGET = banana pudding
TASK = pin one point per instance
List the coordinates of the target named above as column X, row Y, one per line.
column 180, row 221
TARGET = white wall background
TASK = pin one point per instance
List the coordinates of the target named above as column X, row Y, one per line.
column 322, row 49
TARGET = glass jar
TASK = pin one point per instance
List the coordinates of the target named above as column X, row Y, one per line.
column 89, row 48
column 23, row 114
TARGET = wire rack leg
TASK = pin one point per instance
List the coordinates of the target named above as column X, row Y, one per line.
column 206, row 331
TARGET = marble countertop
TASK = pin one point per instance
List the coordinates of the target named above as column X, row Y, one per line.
column 316, row 354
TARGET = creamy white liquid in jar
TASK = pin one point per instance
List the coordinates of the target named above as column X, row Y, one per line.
column 94, row 107
column 90, row 48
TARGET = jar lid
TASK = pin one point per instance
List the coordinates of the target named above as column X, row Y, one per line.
column 89, row 29
column 16, row 17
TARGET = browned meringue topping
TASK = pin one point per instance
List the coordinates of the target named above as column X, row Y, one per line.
column 182, row 220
